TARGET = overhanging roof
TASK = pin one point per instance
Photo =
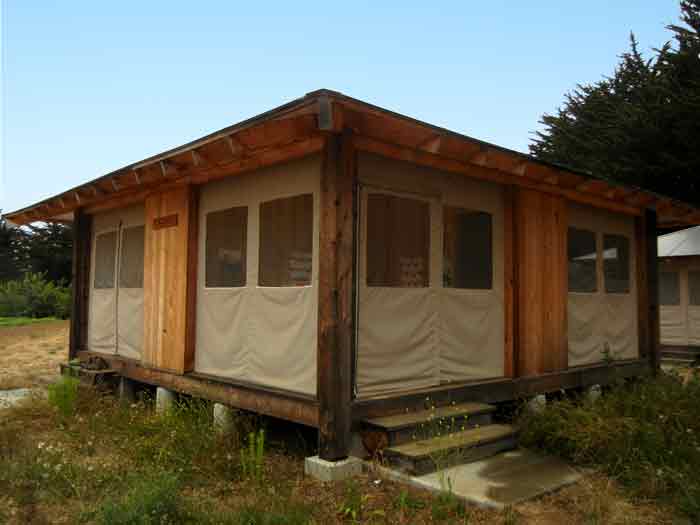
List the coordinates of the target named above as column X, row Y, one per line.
column 298, row 128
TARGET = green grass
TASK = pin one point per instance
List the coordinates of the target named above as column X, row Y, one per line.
column 644, row 434
column 22, row 321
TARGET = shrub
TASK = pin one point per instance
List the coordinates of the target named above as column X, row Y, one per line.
column 646, row 434
column 64, row 395
column 34, row 296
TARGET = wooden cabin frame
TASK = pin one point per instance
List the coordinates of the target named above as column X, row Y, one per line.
column 338, row 128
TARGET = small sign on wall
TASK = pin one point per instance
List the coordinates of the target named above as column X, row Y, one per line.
column 167, row 221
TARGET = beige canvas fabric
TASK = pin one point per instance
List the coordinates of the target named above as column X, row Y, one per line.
column 115, row 316
column 262, row 335
column 680, row 324
column 599, row 321
column 412, row 338
column 674, row 328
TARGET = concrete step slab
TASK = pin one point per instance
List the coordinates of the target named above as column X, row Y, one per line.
column 498, row 481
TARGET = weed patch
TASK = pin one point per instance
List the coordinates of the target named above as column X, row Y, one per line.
column 63, row 395
column 646, row 434
column 150, row 500
column 253, row 456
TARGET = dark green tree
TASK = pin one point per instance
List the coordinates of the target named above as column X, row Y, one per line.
column 11, row 263
column 48, row 250
column 642, row 124
column 37, row 248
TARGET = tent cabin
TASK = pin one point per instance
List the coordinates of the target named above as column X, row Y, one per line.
column 679, row 294
column 330, row 260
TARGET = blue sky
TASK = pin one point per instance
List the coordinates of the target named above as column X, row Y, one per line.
column 88, row 87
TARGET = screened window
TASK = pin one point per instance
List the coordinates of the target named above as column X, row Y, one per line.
column 225, row 248
column 398, row 241
column 616, row 263
column 694, row 288
column 286, row 241
column 669, row 289
column 582, row 255
column 105, row 256
column 467, row 249
column 131, row 263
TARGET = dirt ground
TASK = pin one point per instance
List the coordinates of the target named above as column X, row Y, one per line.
column 30, row 354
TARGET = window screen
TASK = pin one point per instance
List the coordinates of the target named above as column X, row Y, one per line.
column 286, row 241
column 694, row 288
column 105, row 256
column 669, row 289
column 225, row 248
column 131, row 263
column 582, row 257
column 398, row 241
column 467, row 249
column 616, row 263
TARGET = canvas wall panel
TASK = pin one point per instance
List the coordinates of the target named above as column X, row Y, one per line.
column 252, row 333
column 115, row 316
column 412, row 338
column 602, row 322
column 102, row 334
column 693, row 327
column 674, row 329
column 130, row 322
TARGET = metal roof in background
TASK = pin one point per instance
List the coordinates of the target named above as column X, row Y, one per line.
column 682, row 243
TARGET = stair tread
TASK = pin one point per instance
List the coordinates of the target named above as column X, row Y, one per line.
column 410, row 419
column 464, row 439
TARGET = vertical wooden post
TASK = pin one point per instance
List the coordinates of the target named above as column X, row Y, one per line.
column 335, row 309
column 651, row 261
column 510, row 250
column 82, row 232
column 644, row 323
column 192, row 269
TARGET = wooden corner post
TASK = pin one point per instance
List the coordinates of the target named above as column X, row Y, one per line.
column 335, row 300
column 82, row 233
column 651, row 266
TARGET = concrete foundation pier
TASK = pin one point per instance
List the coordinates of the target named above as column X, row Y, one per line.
column 164, row 399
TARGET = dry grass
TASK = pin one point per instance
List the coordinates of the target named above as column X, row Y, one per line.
column 105, row 448
column 30, row 354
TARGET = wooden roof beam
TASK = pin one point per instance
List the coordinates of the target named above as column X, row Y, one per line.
column 432, row 144
column 234, row 146
column 520, row 168
column 641, row 199
column 480, row 158
column 593, row 186
column 570, row 180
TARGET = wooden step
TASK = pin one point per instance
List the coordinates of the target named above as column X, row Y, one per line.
column 412, row 426
column 684, row 357
column 427, row 455
column 677, row 361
